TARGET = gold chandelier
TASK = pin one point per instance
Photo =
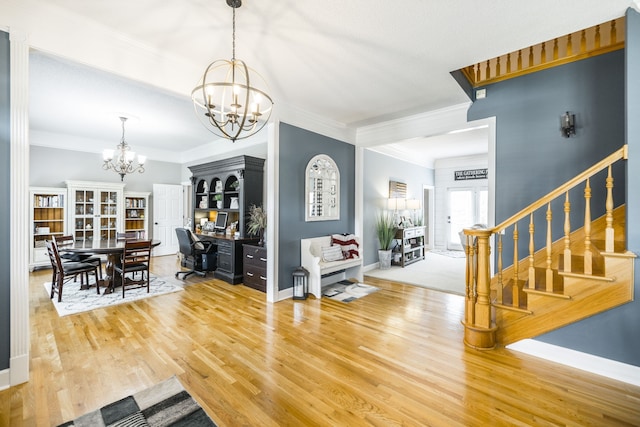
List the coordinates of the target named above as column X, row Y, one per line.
column 231, row 98
column 121, row 159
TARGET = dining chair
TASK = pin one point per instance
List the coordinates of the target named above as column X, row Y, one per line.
column 63, row 271
column 63, row 242
column 135, row 258
column 127, row 235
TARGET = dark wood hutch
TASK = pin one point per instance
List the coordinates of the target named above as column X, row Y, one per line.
column 232, row 186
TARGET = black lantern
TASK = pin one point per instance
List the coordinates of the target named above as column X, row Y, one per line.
column 300, row 283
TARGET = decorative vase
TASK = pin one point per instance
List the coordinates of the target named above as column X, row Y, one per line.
column 385, row 259
column 219, row 204
column 234, row 203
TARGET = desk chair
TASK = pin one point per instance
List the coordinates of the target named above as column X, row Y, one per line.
column 135, row 258
column 199, row 254
column 63, row 242
column 62, row 271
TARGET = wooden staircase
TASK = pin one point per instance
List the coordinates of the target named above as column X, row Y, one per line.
column 585, row 272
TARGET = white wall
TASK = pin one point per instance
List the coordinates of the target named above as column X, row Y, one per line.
column 444, row 179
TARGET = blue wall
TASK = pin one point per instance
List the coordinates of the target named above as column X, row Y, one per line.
column 297, row 147
column 532, row 158
column 378, row 171
column 5, row 273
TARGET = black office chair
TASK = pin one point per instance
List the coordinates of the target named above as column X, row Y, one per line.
column 199, row 255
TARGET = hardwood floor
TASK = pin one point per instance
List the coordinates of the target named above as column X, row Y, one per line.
column 392, row 358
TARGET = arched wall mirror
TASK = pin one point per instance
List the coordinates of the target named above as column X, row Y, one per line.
column 322, row 189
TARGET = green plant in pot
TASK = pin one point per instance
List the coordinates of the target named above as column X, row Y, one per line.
column 218, row 199
column 257, row 222
column 386, row 231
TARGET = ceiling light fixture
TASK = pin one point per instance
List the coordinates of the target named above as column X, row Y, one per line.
column 122, row 162
column 231, row 98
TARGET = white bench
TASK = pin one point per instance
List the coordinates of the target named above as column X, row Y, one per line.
column 322, row 273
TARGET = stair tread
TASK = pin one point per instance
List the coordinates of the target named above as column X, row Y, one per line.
column 577, row 265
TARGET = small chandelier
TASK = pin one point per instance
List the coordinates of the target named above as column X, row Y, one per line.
column 122, row 162
column 231, row 98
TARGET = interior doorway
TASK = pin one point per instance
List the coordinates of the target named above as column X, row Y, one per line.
column 465, row 208
column 428, row 215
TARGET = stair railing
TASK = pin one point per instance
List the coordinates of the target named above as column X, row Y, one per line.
column 478, row 323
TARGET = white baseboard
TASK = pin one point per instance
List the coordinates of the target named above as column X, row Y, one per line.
column 370, row 267
column 596, row 365
column 5, row 379
column 285, row 294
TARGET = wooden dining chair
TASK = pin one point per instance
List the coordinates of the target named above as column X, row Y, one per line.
column 127, row 235
column 63, row 271
column 135, row 258
column 63, row 242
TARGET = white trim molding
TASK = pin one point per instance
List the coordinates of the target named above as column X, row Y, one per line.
column 19, row 214
column 586, row 362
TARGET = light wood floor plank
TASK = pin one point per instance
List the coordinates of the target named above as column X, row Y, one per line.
column 393, row 358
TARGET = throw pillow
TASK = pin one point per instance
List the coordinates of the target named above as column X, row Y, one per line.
column 332, row 253
column 347, row 243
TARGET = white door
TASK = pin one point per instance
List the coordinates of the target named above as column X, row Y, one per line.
column 167, row 216
column 467, row 207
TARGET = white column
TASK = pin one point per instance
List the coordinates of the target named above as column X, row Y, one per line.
column 19, row 216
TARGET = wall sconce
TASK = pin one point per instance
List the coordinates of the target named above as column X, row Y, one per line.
column 568, row 124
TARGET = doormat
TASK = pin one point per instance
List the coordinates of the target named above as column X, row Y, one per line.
column 76, row 300
column 346, row 291
column 163, row 404
column 450, row 254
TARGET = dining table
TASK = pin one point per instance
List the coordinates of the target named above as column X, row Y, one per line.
column 113, row 249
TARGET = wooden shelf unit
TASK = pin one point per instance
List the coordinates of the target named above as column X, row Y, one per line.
column 409, row 245
column 47, row 218
column 136, row 213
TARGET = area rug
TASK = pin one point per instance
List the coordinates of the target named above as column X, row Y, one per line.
column 450, row 254
column 346, row 291
column 75, row 300
column 163, row 404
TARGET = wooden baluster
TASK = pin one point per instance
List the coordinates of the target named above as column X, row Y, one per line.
column 509, row 64
column 549, row 271
column 483, row 304
column 515, row 293
column 609, row 236
column 487, row 71
column 555, row 49
column 583, row 41
column 497, row 67
column 532, row 248
column 478, row 72
column 543, row 53
column 588, row 256
column 519, row 60
column 567, row 234
column 597, row 38
column 530, row 56
column 500, row 284
column 569, row 46
column 469, row 278
column 613, row 36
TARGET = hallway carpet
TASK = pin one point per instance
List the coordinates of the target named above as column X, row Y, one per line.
column 436, row 271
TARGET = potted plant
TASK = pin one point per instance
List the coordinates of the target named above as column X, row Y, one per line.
column 257, row 222
column 386, row 231
column 218, row 199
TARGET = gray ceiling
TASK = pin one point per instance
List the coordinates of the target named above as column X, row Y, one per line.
column 346, row 63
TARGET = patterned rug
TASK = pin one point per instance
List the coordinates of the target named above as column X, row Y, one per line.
column 451, row 254
column 164, row 404
column 346, row 291
column 76, row 300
